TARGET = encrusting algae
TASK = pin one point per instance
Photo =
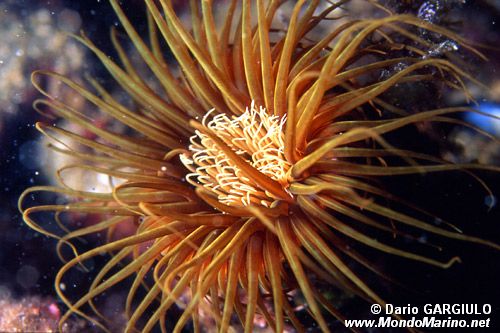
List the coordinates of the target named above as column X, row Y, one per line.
column 252, row 168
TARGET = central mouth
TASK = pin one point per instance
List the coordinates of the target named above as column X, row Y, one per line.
column 254, row 136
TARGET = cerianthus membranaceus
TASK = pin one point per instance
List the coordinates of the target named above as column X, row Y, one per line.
column 252, row 163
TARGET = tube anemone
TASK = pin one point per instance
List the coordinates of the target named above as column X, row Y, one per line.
column 252, row 168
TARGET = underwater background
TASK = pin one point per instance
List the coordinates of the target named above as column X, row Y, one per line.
column 31, row 38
